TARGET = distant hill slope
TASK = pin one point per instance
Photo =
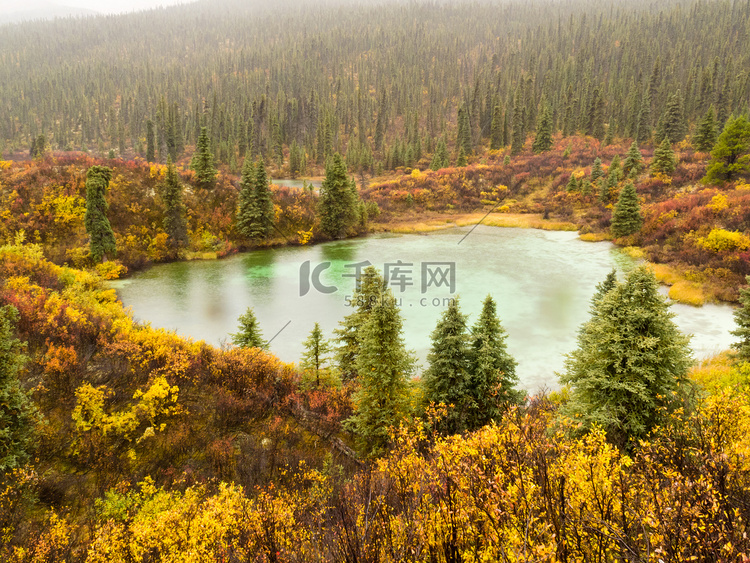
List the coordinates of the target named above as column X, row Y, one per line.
column 13, row 11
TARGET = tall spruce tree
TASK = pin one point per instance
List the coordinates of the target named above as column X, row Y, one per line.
column 643, row 132
column 447, row 379
column 248, row 208
column 150, row 142
column 672, row 124
column 101, row 236
column 496, row 129
column 664, row 161
column 368, row 290
column 384, row 367
column 18, row 416
column 316, row 353
column 730, row 157
column 463, row 139
column 337, row 206
column 543, row 139
column 626, row 217
column 175, row 223
column 263, row 202
column 203, row 162
column 705, row 135
column 630, row 360
column 440, row 159
column 493, row 370
column 596, row 170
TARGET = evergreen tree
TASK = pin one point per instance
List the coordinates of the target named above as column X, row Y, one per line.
column 461, row 158
column 101, row 236
column 296, row 160
column 705, row 135
column 626, row 217
column 643, row 133
column 175, row 224
column 742, row 320
column 367, row 292
column 263, row 202
column 572, row 185
column 496, row 129
column 596, row 170
column 337, row 206
column 447, row 379
column 203, row 162
column 463, row 140
column 664, row 161
column 630, row 359
column 671, row 124
column 17, row 413
column 543, row 139
column 595, row 122
column 249, row 334
column 440, row 158
column 316, row 350
column 519, row 135
column 248, row 208
column 633, row 161
column 384, row 367
column 604, row 287
column 730, row 157
column 493, row 369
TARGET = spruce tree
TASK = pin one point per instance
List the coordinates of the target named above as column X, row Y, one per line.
column 101, row 236
column 247, row 213
column 367, row 292
column 664, row 161
column 440, row 158
column 742, row 320
column 596, row 170
column 496, row 129
column 492, row 368
column 730, row 157
column 461, row 158
column 705, row 135
column 643, row 133
column 17, row 413
column 249, row 334
column 316, row 350
column 463, row 140
column 595, row 118
column 543, row 139
column 384, row 367
column 630, row 359
column 633, row 161
column 175, row 224
column 604, row 287
column 447, row 379
column 337, row 206
column 203, row 162
column 626, row 217
column 263, row 202
column 672, row 124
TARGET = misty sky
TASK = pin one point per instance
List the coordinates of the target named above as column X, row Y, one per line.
column 104, row 7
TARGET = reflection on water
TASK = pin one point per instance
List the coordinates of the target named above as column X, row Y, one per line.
column 542, row 282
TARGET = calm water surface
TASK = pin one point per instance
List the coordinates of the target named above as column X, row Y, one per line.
column 542, row 282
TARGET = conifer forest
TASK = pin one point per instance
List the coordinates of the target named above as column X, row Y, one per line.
column 176, row 135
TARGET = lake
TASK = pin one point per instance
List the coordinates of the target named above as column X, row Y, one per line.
column 542, row 282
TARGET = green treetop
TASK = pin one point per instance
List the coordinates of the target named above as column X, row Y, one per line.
column 440, row 158
column 384, row 367
column 203, row 162
column 742, row 319
column 664, row 161
column 633, row 161
column 447, row 379
column 730, row 157
column 249, row 334
column 337, row 206
column 705, row 135
column 627, row 218
column 175, row 224
column 317, row 349
column 631, row 359
column 493, row 369
column 101, row 236
column 543, row 139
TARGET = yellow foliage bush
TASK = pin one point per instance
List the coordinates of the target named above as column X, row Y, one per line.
column 720, row 240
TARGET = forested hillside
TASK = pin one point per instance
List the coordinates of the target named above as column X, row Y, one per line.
column 380, row 82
